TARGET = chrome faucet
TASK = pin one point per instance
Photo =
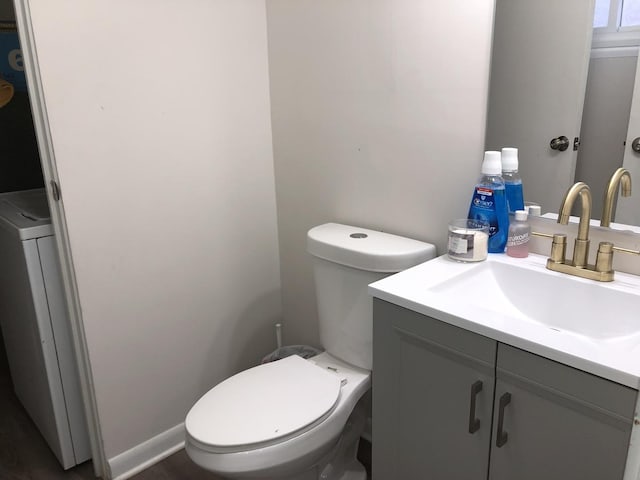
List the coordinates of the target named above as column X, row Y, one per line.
column 581, row 246
column 620, row 180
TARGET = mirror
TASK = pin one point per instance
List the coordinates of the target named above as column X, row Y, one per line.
column 548, row 82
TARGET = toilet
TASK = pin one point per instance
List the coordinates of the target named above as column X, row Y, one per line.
column 301, row 419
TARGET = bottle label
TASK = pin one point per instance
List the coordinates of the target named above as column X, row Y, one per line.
column 459, row 244
column 484, row 199
column 520, row 239
column 468, row 246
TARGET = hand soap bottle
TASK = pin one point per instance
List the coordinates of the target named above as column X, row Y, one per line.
column 489, row 202
column 512, row 180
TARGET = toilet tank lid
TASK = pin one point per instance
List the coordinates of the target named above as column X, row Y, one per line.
column 366, row 249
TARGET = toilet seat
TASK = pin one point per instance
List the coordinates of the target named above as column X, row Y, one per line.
column 286, row 455
column 265, row 404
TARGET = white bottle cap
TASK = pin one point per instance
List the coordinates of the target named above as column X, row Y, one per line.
column 534, row 210
column 492, row 164
column 521, row 216
column 509, row 159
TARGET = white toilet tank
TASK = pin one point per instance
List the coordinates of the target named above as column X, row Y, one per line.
column 346, row 260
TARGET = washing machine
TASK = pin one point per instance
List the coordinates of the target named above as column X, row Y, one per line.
column 35, row 326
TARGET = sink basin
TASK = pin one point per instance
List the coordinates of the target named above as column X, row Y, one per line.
column 560, row 302
column 592, row 326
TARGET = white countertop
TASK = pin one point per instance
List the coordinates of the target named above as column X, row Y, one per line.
column 614, row 358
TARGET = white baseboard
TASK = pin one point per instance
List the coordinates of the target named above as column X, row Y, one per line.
column 142, row 456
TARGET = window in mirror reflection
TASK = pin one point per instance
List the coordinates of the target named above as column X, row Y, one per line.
column 630, row 13
column 601, row 16
column 614, row 15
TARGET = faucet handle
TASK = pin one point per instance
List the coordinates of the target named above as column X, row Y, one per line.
column 558, row 245
column 604, row 259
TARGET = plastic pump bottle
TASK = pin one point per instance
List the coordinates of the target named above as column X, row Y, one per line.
column 518, row 240
column 489, row 202
column 512, row 180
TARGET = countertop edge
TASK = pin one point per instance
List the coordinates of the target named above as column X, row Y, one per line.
column 600, row 369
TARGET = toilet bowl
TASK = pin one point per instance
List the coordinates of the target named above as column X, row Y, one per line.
column 279, row 420
column 297, row 419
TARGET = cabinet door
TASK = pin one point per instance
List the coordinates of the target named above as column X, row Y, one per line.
column 554, row 422
column 432, row 398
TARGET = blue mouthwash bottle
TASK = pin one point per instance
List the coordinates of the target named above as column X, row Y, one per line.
column 512, row 180
column 489, row 202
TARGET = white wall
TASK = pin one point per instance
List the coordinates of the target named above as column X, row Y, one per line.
column 159, row 114
column 378, row 113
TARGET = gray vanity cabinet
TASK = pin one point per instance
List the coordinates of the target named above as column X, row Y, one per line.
column 433, row 383
column 449, row 404
column 560, row 423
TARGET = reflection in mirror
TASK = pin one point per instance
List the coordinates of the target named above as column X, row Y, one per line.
column 557, row 75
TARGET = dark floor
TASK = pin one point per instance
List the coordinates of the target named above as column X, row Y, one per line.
column 177, row 467
column 24, row 455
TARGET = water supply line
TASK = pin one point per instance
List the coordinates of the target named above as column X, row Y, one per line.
column 279, row 335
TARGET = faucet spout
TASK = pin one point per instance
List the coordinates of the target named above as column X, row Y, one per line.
column 581, row 248
column 620, row 180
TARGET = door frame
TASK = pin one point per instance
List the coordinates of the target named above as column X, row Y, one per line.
column 58, row 220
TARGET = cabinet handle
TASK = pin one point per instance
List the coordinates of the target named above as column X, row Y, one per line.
column 474, row 423
column 502, row 436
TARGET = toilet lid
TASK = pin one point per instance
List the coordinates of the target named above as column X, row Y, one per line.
column 263, row 403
